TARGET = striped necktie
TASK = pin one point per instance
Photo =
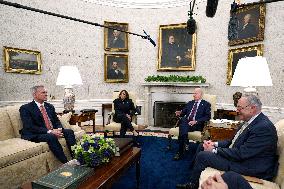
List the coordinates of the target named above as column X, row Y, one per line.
column 193, row 111
column 45, row 117
column 238, row 133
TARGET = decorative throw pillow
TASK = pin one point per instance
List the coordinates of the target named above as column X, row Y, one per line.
column 64, row 119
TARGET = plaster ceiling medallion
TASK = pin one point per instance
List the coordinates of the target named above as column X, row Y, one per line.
column 141, row 3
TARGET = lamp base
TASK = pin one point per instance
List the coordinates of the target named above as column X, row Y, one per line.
column 68, row 99
column 250, row 90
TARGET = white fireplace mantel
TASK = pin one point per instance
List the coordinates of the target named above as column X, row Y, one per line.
column 166, row 91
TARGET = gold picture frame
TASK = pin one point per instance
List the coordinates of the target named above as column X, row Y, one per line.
column 235, row 54
column 114, row 40
column 176, row 48
column 116, row 68
column 247, row 25
column 22, row 61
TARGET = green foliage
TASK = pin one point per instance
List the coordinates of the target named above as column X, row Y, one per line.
column 175, row 78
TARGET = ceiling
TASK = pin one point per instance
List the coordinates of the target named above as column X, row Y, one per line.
column 142, row 3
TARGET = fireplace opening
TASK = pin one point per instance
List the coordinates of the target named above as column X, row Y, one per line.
column 164, row 113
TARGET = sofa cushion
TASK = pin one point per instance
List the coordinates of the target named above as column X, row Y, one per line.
column 6, row 128
column 16, row 149
column 280, row 132
column 64, row 119
column 113, row 126
column 14, row 115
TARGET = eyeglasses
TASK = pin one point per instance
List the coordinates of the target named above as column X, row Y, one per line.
column 241, row 108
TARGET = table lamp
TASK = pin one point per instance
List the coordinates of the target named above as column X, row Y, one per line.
column 252, row 72
column 68, row 77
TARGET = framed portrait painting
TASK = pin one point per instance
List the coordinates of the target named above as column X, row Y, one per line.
column 176, row 48
column 235, row 55
column 114, row 39
column 247, row 25
column 22, row 61
column 116, row 68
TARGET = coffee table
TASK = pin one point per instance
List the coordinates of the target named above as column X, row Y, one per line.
column 105, row 175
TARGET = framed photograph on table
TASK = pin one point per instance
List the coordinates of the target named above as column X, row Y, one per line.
column 176, row 48
column 247, row 25
column 22, row 61
column 116, row 68
column 235, row 55
column 115, row 40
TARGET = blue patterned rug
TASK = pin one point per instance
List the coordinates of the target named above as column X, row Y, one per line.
column 158, row 170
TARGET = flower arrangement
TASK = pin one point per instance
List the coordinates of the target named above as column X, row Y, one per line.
column 175, row 78
column 94, row 150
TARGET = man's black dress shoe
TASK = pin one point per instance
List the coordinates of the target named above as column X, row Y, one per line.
column 177, row 157
column 187, row 186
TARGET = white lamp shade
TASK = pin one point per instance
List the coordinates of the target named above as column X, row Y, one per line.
column 252, row 72
column 68, row 76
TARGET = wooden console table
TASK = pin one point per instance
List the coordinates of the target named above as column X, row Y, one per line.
column 220, row 133
column 82, row 117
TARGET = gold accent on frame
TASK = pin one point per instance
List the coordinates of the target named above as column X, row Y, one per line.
column 22, row 61
column 235, row 54
column 176, row 48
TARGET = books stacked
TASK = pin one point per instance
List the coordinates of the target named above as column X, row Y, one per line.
column 66, row 177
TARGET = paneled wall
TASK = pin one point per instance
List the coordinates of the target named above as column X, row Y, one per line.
column 65, row 42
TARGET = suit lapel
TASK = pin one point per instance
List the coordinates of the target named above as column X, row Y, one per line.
column 248, row 128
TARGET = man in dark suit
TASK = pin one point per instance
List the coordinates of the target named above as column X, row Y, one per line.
column 116, row 41
column 227, row 180
column 114, row 72
column 251, row 152
column 40, row 124
column 248, row 29
column 193, row 118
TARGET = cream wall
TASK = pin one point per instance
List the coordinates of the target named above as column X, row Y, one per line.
column 65, row 42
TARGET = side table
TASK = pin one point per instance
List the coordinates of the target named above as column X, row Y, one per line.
column 85, row 115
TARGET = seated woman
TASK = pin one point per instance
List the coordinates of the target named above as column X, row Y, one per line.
column 124, row 110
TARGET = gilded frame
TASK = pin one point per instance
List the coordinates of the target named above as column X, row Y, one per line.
column 253, row 31
column 179, row 56
column 22, row 61
column 235, row 54
column 121, row 42
column 120, row 76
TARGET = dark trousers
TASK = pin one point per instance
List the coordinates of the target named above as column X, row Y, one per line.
column 235, row 181
column 54, row 144
column 125, row 124
column 206, row 159
column 184, row 128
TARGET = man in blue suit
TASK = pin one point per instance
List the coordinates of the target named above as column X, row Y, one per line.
column 193, row 118
column 251, row 152
column 40, row 124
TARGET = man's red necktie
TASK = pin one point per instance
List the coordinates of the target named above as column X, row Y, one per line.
column 45, row 117
column 193, row 111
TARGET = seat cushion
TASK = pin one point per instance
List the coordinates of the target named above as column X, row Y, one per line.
column 113, row 126
column 6, row 128
column 14, row 115
column 210, row 172
column 16, row 149
column 195, row 135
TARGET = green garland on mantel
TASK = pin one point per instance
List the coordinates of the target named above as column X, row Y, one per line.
column 175, row 78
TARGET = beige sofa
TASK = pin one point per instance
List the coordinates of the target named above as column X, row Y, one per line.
column 21, row 160
column 278, row 181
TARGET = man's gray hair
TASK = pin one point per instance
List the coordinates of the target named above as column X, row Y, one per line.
column 254, row 100
column 34, row 89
